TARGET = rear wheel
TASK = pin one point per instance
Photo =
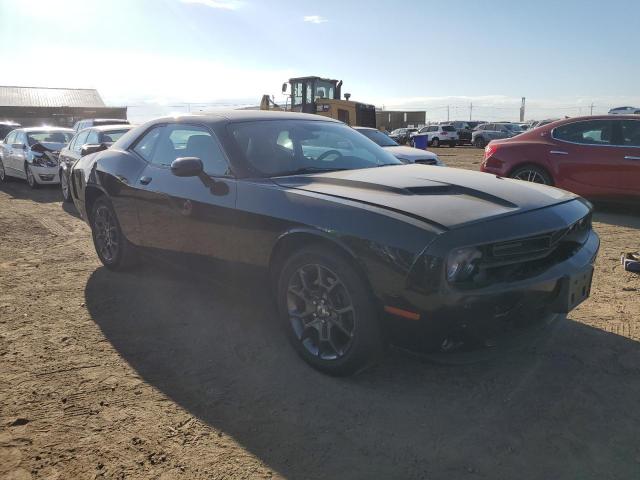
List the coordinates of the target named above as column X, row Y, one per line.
column 328, row 312
column 479, row 142
column 531, row 173
column 435, row 142
column 113, row 249
column 31, row 179
column 64, row 186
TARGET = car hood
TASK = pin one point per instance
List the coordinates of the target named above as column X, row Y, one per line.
column 446, row 197
column 410, row 154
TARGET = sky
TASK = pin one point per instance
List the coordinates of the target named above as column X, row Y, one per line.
column 155, row 56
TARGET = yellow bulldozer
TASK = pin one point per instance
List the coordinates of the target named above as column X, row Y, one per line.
column 322, row 96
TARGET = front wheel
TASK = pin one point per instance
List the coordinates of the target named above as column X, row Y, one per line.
column 113, row 249
column 479, row 142
column 64, row 186
column 31, row 179
column 328, row 312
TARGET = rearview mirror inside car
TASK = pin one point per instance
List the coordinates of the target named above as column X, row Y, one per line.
column 187, row 167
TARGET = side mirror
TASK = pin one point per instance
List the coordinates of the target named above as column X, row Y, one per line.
column 187, row 167
column 90, row 148
column 284, row 87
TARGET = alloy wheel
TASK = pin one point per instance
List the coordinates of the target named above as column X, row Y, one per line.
column 321, row 311
column 106, row 234
column 530, row 175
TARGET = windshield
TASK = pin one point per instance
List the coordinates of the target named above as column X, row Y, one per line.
column 50, row 136
column 378, row 137
column 286, row 147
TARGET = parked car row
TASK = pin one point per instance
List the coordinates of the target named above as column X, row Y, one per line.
column 43, row 155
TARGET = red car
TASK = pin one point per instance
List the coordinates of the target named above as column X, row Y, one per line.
column 596, row 157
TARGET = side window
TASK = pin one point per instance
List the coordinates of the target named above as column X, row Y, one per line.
column 146, row 145
column 81, row 139
column 191, row 141
column 591, row 132
column 10, row 138
column 631, row 133
column 92, row 138
column 21, row 138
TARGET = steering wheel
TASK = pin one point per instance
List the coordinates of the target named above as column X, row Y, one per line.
column 327, row 153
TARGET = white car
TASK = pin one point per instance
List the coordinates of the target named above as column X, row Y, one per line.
column 402, row 153
column 437, row 135
column 625, row 111
column 32, row 154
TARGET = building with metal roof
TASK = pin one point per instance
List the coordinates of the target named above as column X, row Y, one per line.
column 35, row 106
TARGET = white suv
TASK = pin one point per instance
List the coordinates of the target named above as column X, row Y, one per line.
column 438, row 135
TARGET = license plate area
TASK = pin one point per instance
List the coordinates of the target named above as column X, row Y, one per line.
column 575, row 289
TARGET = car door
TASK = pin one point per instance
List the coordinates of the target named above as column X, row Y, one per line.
column 629, row 155
column 587, row 159
column 188, row 214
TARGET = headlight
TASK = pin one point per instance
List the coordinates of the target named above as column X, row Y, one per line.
column 462, row 264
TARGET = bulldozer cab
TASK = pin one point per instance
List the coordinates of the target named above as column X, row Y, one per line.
column 322, row 96
column 305, row 92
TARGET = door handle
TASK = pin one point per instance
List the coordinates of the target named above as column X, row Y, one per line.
column 631, row 157
column 558, row 152
column 145, row 180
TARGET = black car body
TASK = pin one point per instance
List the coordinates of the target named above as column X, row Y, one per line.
column 402, row 135
column 439, row 253
column 464, row 132
column 89, row 140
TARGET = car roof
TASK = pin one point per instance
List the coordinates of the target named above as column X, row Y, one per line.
column 45, row 129
column 230, row 116
column 102, row 120
column 364, row 128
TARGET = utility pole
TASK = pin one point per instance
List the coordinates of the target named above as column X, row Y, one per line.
column 591, row 109
column 522, row 109
column 447, row 113
column 470, row 110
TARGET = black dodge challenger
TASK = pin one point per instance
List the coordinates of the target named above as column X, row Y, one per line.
column 360, row 250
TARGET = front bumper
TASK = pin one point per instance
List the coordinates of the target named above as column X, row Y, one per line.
column 483, row 316
column 46, row 175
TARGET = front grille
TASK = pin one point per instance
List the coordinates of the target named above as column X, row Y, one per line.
column 526, row 257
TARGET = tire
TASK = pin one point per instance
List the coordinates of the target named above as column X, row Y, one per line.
column 3, row 175
column 532, row 173
column 31, row 179
column 113, row 249
column 452, row 144
column 435, row 142
column 65, row 187
column 479, row 142
column 344, row 312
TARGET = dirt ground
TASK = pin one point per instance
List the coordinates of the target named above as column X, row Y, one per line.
column 155, row 374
